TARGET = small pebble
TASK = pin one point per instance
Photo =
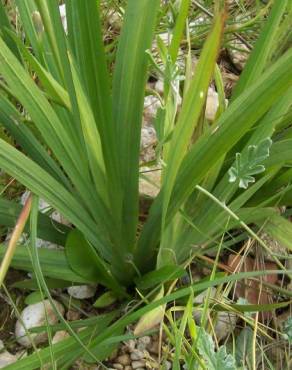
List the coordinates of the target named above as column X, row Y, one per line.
column 113, row 355
column 143, row 343
column 131, row 344
column 137, row 355
column 59, row 336
column 153, row 347
column 128, row 367
column 168, row 365
column 6, row 359
column 118, row 366
column 82, row 291
column 35, row 315
column 72, row 315
column 138, row 364
column 124, row 359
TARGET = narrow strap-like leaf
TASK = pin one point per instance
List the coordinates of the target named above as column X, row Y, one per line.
column 85, row 36
column 4, row 26
column 128, row 93
column 41, row 183
column 11, row 120
column 259, row 57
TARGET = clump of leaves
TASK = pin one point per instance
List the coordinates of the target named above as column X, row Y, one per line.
column 82, row 155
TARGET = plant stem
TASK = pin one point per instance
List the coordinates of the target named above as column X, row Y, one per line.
column 17, row 231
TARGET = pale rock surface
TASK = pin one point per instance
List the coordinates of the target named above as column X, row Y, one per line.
column 151, row 186
column 6, row 359
column 124, row 359
column 148, row 133
column 275, row 248
column 43, row 208
column 82, row 291
column 62, row 10
column 225, row 321
column 238, row 53
column 212, row 105
column 35, row 315
column 59, row 336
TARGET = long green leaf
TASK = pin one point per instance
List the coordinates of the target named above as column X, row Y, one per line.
column 54, row 263
column 259, row 58
column 12, row 121
column 85, row 36
column 189, row 116
column 42, row 184
column 178, row 30
column 4, row 26
column 128, row 93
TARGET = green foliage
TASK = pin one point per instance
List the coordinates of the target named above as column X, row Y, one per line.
column 89, row 113
column 219, row 360
column 250, row 164
column 76, row 115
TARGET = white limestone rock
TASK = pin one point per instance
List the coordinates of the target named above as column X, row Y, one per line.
column 35, row 315
column 82, row 291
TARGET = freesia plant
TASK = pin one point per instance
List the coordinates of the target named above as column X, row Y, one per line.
column 77, row 120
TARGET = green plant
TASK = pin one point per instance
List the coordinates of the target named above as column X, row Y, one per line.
column 79, row 129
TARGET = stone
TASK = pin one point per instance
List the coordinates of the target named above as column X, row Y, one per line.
column 167, row 365
column 153, row 347
column 148, row 134
column 35, row 315
column 159, row 87
column 59, row 336
column 43, row 208
column 225, row 324
column 238, row 53
column 62, row 10
column 72, row 315
column 275, row 248
column 137, row 355
column 225, row 321
column 124, row 359
column 114, row 19
column 151, row 105
column 6, row 359
column 82, row 291
column 118, row 366
column 138, row 364
column 143, row 342
column 148, row 144
column 212, row 105
column 128, row 367
column 150, row 184
column 131, row 344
